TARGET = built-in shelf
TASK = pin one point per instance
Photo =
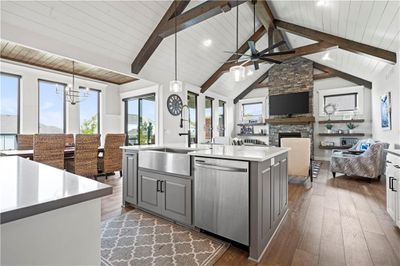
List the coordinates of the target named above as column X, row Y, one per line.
column 341, row 134
column 251, row 124
column 252, row 135
column 335, row 147
column 302, row 120
column 341, row 121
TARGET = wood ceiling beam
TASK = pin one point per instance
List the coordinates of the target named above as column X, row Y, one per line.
column 222, row 69
column 196, row 15
column 345, row 44
column 154, row 40
column 251, row 87
column 343, row 75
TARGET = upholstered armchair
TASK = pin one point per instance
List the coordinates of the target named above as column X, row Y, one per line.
column 370, row 164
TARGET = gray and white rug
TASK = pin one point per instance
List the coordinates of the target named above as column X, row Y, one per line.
column 138, row 238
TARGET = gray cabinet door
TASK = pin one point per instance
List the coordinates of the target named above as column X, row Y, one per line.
column 284, row 185
column 130, row 178
column 148, row 196
column 266, row 203
column 275, row 173
column 177, row 199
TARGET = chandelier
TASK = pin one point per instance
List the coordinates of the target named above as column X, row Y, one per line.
column 72, row 94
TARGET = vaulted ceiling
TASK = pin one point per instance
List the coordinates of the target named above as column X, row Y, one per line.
column 111, row 34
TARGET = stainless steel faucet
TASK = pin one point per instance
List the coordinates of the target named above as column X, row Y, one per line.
column 181, row 125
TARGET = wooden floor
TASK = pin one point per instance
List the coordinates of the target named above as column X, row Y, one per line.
column 340, row 221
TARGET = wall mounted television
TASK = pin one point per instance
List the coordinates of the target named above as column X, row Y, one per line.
column 289, row 104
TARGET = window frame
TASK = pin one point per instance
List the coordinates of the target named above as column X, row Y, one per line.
column 356, row 102
column 98, row 108
column 223, row 117
column 196, row 97
column 64, row 102
column 18, row 98
column 139, row 97
column 252, row 103
column 212, row 115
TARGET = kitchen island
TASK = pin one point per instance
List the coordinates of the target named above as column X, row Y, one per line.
column 48, row 216
column 239, row 193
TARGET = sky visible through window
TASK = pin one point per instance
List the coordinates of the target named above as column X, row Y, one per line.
column 89, row 108
column 51, row 108
column 9, row 104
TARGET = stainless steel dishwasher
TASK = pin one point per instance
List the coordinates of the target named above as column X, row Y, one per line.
column 221, row 190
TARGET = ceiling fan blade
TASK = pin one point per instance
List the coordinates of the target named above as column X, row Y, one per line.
column 280, row 53
column 241, row 59
column 229, row 52
column 272, row 47
column 256, row 65
column 252, row 47
column 270, row 60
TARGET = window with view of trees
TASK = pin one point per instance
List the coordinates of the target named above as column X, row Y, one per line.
column 89, row 112
column 9, row 110
column 192, row 105
column 252, row 111
column 221, row 118
column 208, row 117
column 51, row 107
column 140, row 118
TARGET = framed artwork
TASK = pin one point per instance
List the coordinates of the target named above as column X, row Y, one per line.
column 386, row 116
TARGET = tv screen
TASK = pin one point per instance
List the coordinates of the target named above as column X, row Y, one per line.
column 288, row 104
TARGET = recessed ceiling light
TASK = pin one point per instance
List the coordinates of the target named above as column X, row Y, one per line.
column 207, row 43
column 321, row 3
column 326, row 57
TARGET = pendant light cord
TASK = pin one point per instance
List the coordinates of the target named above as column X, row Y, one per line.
column 237, row 25
column 254, row 16
column 176, row 46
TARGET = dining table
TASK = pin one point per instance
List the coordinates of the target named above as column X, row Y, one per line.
column 68, row 152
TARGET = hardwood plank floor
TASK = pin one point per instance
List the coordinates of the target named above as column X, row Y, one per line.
column 340, row 221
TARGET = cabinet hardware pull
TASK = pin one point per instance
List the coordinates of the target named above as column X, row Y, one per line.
column 161, row 186
column 393, row 179
column 390, row 182
column 397, row 166
column 158, row 185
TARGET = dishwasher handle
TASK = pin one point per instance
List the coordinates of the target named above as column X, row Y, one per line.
column 220, row 168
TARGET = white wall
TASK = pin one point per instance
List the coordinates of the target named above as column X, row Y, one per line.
column 333, row 86
column 109, row 99
column 168, row 125
column 388, row 81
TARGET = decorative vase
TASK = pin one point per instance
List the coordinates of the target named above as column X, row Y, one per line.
column 350, row 131
column 329, row 131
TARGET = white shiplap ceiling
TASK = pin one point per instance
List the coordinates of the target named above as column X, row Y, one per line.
column 111, row 33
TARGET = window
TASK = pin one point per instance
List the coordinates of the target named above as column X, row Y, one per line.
column 344, row 102
column 89, row 112
column 221, row 118
column 140, row 118
column 9, row 110
column 192, row 105
column 252, row 111
column 51, row 107
column 208, row 117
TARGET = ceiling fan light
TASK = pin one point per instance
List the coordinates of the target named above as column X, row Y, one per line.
column 175, row 86
column 238, row 73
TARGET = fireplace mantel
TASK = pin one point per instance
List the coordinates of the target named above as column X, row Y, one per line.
column 301, row 120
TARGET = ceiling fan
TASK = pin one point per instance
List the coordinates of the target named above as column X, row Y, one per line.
column 257, row 56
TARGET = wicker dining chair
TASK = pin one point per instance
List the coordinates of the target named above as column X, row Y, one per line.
column 49, row 149
column 112, row 156
column 25, row 141
column 69, row 140
column 84, row 162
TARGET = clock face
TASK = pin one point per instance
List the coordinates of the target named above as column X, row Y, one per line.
column 174, row 104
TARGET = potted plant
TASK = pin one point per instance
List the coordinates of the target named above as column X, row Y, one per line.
column 351, row 127
column 329, row 127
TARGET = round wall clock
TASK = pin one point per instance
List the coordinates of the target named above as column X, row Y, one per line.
column 174, row 104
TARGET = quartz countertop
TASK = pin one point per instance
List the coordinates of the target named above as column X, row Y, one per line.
column 193, row 147
column 246, row 153
column 29, row 188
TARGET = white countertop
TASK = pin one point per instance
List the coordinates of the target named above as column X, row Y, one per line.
column 248, row 153
column 28, row 188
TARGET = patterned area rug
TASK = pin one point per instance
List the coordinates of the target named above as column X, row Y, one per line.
column 138, row 238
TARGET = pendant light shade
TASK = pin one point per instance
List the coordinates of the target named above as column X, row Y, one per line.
column 238, row 73
column 175, row 86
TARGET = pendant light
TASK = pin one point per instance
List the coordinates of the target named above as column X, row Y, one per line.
column 176, row 85
column 238, row 72
column 72, row 94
